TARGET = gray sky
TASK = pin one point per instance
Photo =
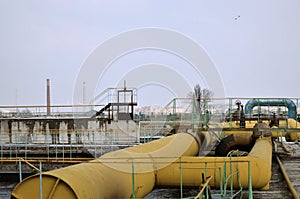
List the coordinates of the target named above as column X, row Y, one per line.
column 254, row 45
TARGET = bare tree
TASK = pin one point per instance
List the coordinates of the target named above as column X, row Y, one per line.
column 200, row 96
column 26, row 113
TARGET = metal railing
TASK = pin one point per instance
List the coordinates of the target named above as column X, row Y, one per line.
column 204, row 185
column 67, row 145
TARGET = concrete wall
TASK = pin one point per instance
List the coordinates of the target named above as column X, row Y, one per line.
column 67, row 131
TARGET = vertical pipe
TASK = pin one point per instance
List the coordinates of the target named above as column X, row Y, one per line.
column 46, row 140
column 132, row 104
column 145, row 133
column 20, row 170
column 18, row 140
column 225, row 180
column 139, row 133
column 250, row 196
column 56, row 150
column 95, row 144
column 118, row 106
column 180, row 170
column 206, row 174
column 230, row 113
column 297, row 114
column 41, row 183
column 231, row 176
column 26, row 141
column 63, row 145
column 48, row 97
column 174, row 111
column 10, row 151
column 1, row 147
column 193, row 114
column 221, row 181
column 70, row 146
column 101, row 150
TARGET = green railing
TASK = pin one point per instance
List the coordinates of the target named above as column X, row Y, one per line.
column 204, row 185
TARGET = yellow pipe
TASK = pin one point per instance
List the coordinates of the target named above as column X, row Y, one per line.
column 294, row 133
column 155, row 163
column 294, row 125
column 110, row 176
column 275, row 132
column 260, row 158
column 236, row 124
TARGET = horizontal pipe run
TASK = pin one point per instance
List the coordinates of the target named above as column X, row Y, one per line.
column 292, row 110
column 155, row 163
column 101, row 178
column 260, row 158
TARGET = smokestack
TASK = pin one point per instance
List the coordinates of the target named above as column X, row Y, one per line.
column 48, row 97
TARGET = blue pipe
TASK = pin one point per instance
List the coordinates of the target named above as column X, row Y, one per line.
column 292, row 110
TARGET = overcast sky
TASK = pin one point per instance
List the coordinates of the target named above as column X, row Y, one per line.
column 255, row 45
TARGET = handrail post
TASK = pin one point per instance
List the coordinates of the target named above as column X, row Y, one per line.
column 41, row 182
column 206, row 174
column 26, row 145
column 10, row 151
column 250, row 196
column 1, row 147
column 70, row 144
column 56, row 151
column 63, row 144
column 230, row 113
column 174, row 111
column 221, row 181
column 94, row 140
column 180, row 168
column 225, row 181
column 231, row 176
column 20, row 170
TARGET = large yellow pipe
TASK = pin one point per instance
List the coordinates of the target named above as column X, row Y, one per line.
column 156, row 162
column 295, row 125
column 260, row 158
column 289, row 123
column 110, row 176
